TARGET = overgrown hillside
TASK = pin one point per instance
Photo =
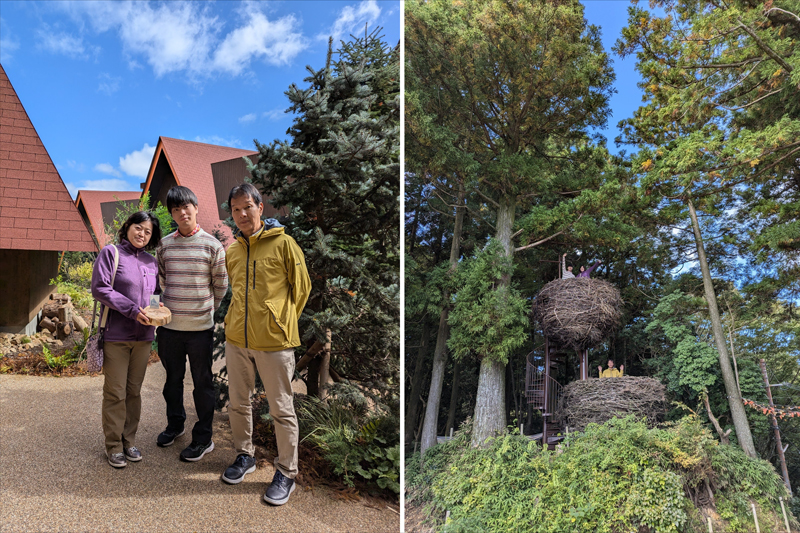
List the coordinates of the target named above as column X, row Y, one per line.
column 616, row 477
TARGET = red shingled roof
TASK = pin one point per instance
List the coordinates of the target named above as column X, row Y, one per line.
column 191, row 164
column 28, row 182
column 91, row 200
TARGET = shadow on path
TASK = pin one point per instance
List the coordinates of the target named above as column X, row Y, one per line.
column 54, row 475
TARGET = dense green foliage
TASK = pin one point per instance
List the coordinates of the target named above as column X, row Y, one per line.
column 640, row 479
column 718, row 126
column 489, row 317
column 338, row 175
column 126, row 209
column 359, row 443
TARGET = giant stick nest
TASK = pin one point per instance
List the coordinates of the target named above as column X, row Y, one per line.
column 598, row 400
column 578, row 313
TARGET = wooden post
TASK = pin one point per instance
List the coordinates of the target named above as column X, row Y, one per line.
column 755, row 517
column 546, row 396
column 777, row 431
column 710, row 527
column 785, row 519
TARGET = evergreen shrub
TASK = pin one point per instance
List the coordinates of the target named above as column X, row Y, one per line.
column 618, row 476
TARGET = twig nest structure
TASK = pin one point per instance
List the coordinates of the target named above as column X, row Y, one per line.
column 600, row 399
column 578, row 313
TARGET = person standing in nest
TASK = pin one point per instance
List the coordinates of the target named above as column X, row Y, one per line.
column 585, row 273
column 566, row 270
column 611, row 372
column 270, row 286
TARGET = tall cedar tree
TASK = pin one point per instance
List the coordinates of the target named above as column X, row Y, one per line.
column 721, row 119
column 506, row 92
column 340, row 178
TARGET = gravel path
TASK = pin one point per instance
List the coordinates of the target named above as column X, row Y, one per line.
column 54, row 475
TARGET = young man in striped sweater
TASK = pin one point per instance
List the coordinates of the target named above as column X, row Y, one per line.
column 191, row 270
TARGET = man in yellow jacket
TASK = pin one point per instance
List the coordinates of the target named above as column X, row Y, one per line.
column 611, row 372
column 270, row 287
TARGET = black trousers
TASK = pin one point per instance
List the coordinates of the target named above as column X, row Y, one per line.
column 173, row 348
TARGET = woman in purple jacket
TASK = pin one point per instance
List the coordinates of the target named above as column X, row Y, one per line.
column 128, row 333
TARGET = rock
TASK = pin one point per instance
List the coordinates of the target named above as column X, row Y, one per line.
column 58, row 343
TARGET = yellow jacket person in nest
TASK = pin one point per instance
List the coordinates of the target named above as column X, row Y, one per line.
column 611, row 372
column 270, row 286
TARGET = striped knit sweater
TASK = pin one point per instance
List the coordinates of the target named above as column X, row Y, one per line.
column 191, row 271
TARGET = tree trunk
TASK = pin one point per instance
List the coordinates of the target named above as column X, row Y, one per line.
column 490, row 410
column 440, row 352
column 451, row 413
column 312, row 379
column 412, row 412
column 740, row 423
column 325, row 366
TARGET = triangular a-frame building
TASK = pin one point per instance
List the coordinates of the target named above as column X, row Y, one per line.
column 37, row 217
column 98, row 208
column 188, row 163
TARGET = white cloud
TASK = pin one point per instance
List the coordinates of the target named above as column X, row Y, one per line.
column 276, row 42
column 275, row 114
column 216, row 139
column 61, row 43
column 108, row 84
column 137, row 163
column 74, row 165
column 8, row 44
column 105, row 168
column 185, row 36
column 351, row 20
column 250, row 117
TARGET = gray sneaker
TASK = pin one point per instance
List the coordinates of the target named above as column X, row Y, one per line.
column 279, row 490
column 244, row 464
column 117, row 460
column 133, row 454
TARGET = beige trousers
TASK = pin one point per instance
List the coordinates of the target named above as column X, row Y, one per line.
column 276, row 370
column 124, row 366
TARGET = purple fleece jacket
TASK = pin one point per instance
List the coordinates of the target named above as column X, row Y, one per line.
column 136, row 280
column 586, row 273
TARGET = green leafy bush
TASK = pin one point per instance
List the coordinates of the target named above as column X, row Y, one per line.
column 81, row 296
column 619, row 476
column 70, row 355
column 81, row 274
column 359, row 443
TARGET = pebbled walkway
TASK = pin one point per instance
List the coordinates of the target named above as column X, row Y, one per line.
column 54, row 475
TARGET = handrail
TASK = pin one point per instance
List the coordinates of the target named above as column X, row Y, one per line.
column 541, row 389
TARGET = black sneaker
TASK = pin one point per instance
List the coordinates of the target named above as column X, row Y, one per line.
column 195, row 451
column 117, row 460
column 168, row 436
column 279, row 490
column 133, row 454
column 244, row 464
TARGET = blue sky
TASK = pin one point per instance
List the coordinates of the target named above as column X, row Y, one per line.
column 102, row 81
column 612, row 16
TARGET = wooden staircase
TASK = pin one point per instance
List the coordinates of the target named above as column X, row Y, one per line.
column 543, row 393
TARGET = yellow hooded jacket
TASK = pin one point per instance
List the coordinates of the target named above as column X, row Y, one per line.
column 270, row 286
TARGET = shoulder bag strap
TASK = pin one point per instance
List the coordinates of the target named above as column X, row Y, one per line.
column 102, row 323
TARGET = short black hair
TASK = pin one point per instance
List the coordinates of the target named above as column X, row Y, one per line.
column 178, row 196
column 138, row 218
column 245, row 189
